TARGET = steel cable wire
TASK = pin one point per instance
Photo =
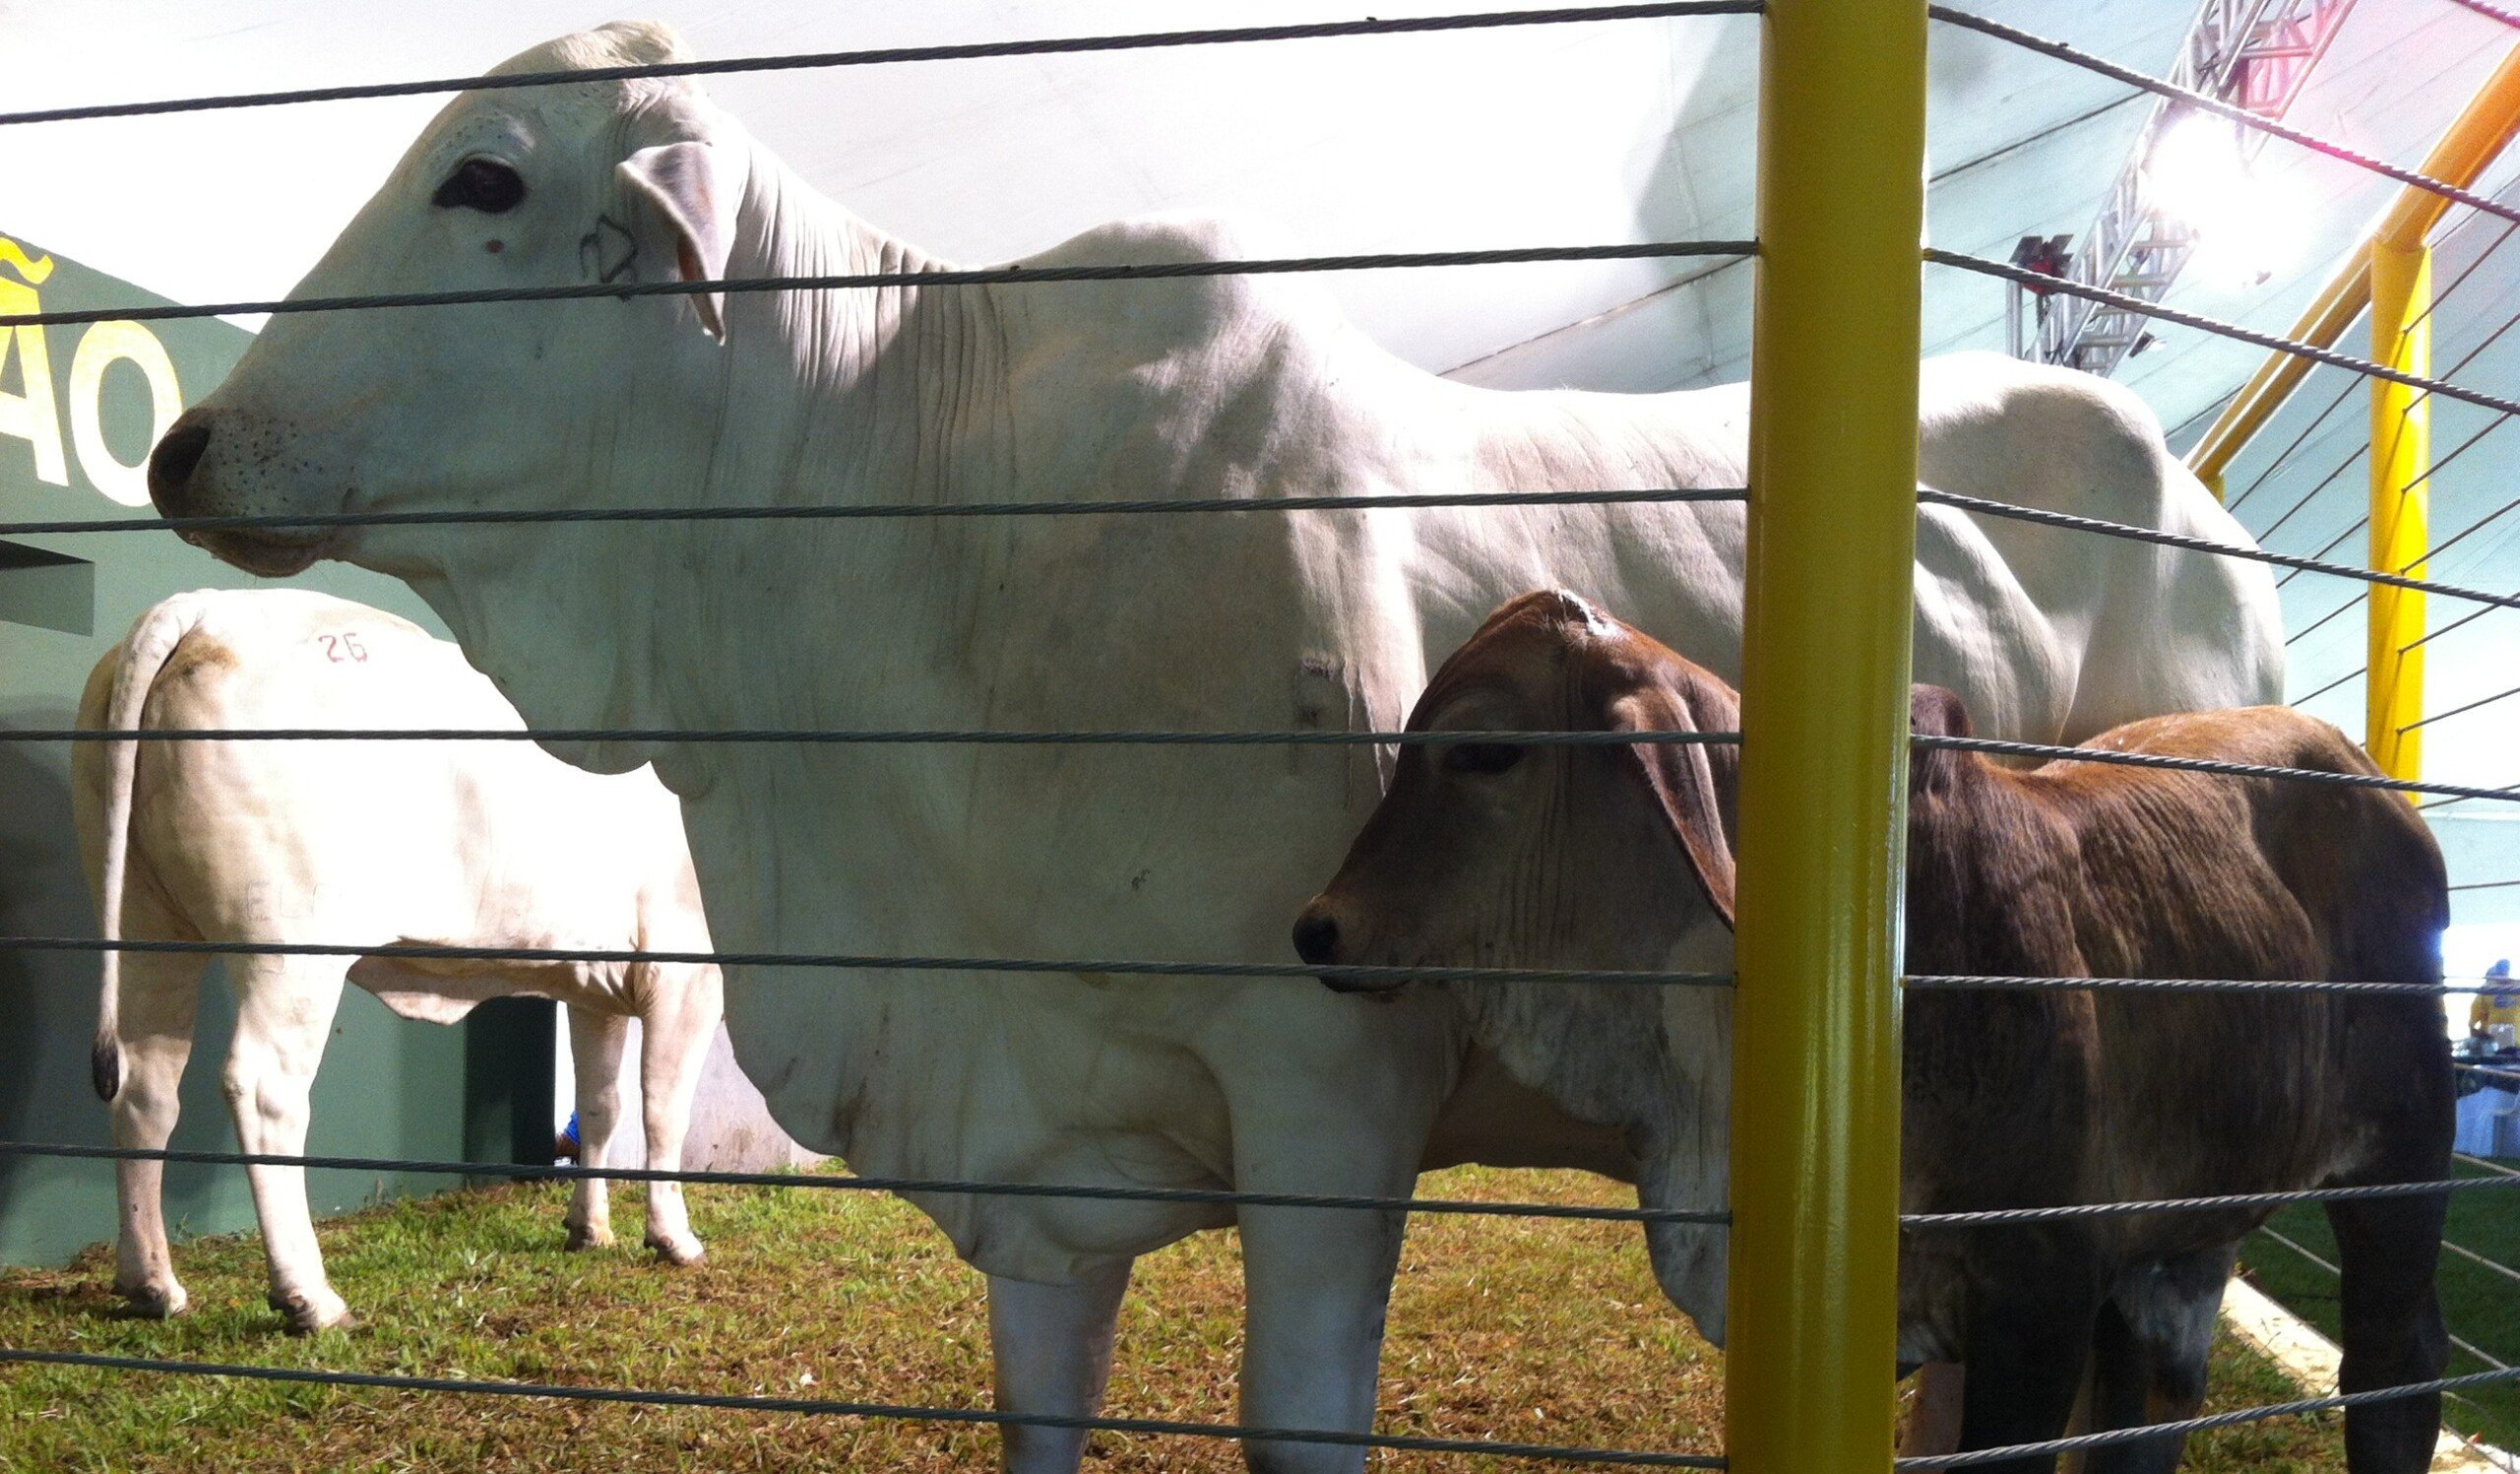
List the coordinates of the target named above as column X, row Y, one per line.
column 2430, row 307
column 2455, row 710
column 1927, row 495
column 2333, row 684
column 2230, row 111
column 907, row 1412
column 2219, row 1202
column 2272, row 341
column 889, row 55
column 1224, row 1197
column 1075, row 507
column 1121, row 967
column 2330, row 546
column 2205, row 765
column 2286, row 454
column 854, row 1182
column 2318, row 487
column 2469, row 1347
column 2428, row 636
column 1994, row 745
column 846, row 736
column 979, row 276
column 2292, row 561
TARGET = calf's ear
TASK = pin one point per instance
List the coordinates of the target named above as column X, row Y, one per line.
column 1682, row 776
column 1935, row 711
column 696, row 188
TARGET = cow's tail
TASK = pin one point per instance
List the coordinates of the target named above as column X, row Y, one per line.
column 151, row 643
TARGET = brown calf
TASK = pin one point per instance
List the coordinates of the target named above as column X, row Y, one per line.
column 1620, row 857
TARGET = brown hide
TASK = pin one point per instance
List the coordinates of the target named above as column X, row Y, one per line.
column 2089, row 868
column 2012, row 1097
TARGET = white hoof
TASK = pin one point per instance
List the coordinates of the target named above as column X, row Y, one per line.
column 155, row 1302
column 584, row 1236
column 308, row 1311
column 678, row 1250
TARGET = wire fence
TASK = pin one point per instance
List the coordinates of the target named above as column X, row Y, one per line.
column 1015, row 275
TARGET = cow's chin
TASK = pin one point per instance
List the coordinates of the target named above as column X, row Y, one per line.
column 262, row 553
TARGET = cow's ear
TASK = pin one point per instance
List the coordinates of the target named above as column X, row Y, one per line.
column 1935, row 711
column 697, row 188
column 1686, row 779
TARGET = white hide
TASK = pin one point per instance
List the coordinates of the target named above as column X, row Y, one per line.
column 482, row 844
column 1220, row 388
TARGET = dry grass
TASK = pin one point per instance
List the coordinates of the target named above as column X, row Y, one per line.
column 1534, row 1331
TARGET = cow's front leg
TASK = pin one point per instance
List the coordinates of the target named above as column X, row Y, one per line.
column 284, row 1012
column 595, row 1045
column 674, row 1040
column 1051, row 1346
column 1317, row 1286
column 155, row 1001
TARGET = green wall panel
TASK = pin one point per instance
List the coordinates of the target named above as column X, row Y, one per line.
column 77, row 417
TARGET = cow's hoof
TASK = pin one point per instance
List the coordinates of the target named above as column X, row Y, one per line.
column 684, row 1251
column 155, row 1302
column 309, row 1313
column 587, row 1236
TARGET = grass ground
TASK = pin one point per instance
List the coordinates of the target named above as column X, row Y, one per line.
column 1514, row 1329
column 2481, row 1306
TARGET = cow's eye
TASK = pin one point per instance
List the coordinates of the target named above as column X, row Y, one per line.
column 1482, row 757
column 484, row 184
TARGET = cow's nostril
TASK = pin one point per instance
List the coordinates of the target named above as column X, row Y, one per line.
column 1316, row 937
column 172, row 464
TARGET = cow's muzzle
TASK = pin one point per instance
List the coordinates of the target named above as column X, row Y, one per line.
column 1319, row 943
column 173, row 482
column 172, row 463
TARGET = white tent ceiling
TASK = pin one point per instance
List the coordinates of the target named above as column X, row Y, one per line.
column 1597, row 132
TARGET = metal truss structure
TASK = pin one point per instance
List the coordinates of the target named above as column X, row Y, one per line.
column 2251, row 53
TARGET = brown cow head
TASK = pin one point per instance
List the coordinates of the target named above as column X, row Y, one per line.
column 1486, row 854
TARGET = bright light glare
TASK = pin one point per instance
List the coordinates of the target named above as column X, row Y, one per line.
column 2247, row 228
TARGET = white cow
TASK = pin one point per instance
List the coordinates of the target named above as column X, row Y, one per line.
column 1238, row 389
column 482, row 844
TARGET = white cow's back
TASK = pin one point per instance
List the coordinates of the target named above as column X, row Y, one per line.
column 487, row 843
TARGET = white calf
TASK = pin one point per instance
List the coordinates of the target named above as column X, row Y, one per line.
column 482, row 844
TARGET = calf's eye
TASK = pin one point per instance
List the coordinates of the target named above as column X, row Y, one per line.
column 484, row 184
column 1482, row 757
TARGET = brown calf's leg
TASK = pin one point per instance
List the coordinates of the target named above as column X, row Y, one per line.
column 2392, row 1322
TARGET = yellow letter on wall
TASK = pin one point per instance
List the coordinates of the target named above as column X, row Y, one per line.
column 104, row 343
column 31, row 414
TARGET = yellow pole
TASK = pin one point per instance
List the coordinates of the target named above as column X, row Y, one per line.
column 2401, row 453
column 1812, row 1317
column 2473, row 138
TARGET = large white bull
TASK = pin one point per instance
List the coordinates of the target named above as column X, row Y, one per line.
column 483, row 844
column 1236, row 388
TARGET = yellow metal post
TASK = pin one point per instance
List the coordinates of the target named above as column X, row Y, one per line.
column 1813, row 1319
column 2401, row 453
column 2473, row 138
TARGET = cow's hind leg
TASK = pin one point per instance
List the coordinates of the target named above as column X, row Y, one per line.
column 1051, row 1346
column 283, row 1011
column 674, row 1039
column 595, row 1045
column 2393, row 1333
column 158, row 997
